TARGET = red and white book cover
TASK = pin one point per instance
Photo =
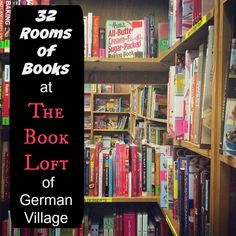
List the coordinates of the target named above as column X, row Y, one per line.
column 134, row 157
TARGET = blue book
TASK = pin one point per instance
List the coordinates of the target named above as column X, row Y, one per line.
column 110, row 193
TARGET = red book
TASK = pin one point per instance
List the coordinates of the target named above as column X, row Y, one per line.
column 129, row 224
column 179, row 14
column 6, row 95
column 26, row 232
column 96, row 167
column 196, row 202
column 45, row 2
column 80, row 231
column 134, row 157
column 121, row 167
column 91, row 170
column 4, row 228
column 95, row 46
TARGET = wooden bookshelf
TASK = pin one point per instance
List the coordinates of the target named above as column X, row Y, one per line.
column 124, row 64
column 108, row 112
column 110, row 130
column 191, row 40
column 196, row 148
column 120, row 199
column 156, row 120
column 229, row 160
column 111, row 94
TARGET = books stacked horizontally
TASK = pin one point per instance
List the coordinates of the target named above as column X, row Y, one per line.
column 124, row 38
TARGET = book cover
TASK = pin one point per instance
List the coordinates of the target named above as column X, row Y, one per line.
column 95, row 39
column 187, row 20
column 125, row 38
column 162, row 38
column 129, row 224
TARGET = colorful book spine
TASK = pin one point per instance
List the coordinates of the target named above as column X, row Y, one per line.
column 6, row 95
column 2, row 24
column 162, row 38
column 102, row 42
column 90, row 34
column 85, row 18
column 95, row 40
column 7, row 18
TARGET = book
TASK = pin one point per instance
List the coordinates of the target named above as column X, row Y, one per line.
column 125, row 39
column 162, row 38
column 228, row 134
column 95, row 39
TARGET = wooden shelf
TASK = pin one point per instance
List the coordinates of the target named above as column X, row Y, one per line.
column 124, row 64
column 87, row 110
column 156, row 120
column 120, row 199
column 111, row 130
column 87, row 128
column 149, row 119
column 173, row 224
column 111, row 94
column 108, row 112
column 229, row 160
column 191, row 40
column 196, row 148
column 87, row 93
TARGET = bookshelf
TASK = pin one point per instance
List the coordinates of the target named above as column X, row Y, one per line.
column 143, row 71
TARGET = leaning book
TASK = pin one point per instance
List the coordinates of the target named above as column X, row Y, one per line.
column 228, row 134
column 125, row 39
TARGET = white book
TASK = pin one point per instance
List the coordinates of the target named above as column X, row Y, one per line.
column 100, row 174
column 145, row 224
column 207, row 90
column 90, row 33
column 139, row 224
column 85, row 18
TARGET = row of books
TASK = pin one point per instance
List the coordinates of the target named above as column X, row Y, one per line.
column 124, row 38
column 151, row 132
column 108, row 141
column 124, row 220
column 190, row 94
column 151, row 100
column 120, row 171
column 115, row 104
column 99, row 88
column 184, row 14
column 185, row 188
column 228, row 132
column 5, row 16
column 111, row 122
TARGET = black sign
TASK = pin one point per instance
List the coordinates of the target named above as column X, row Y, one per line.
column 46, row 116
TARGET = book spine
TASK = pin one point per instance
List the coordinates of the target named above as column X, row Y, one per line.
column 7, row 18
column 151, row 36
column 126, row 172
column 134, row 170
column 6, row 95
column 85, row 18
column 106, row 175
column 110, row 194
column 157, row 173
column 145, row 224
column 96, row 169
column 2, row 26
column 91, row 171
column 102, row 42
column 100, row 174
column 95, row 40
column 149, row 163
column 144, row 170
column 90, row 33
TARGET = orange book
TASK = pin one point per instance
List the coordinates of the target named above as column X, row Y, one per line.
column 95, row 43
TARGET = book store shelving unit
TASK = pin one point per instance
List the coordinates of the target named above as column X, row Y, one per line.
column 155, row 71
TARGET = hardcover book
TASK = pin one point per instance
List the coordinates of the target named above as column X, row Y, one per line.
column 125, row 38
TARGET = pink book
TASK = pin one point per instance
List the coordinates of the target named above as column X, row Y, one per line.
column 126, row 172
column 129, row 224
column 121, row 167
column 134, row 157
column 117, row 145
